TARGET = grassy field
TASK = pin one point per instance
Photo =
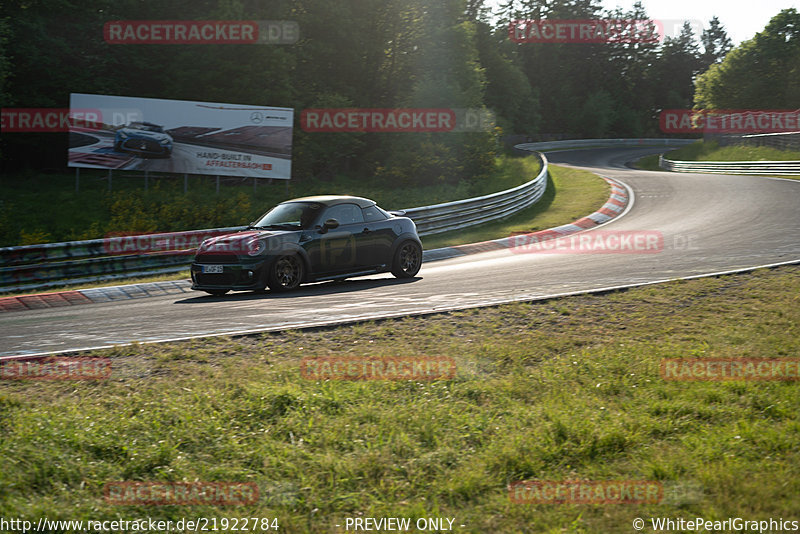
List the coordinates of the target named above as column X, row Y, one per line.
column 40, row 208
column 557, row 390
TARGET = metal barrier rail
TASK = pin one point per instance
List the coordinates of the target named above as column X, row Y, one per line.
column 472, row 211
column 95, row 260
column 775, row 168
column 604, row 143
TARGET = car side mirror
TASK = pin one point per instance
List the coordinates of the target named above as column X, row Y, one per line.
column 330, row 224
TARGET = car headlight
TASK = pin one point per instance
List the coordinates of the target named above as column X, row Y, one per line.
column 122, row 135
column 164, row 141
column 256, row 247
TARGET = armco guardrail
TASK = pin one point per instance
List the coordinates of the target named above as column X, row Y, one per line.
column 93, row 260
column 464, row 213
column 603, row 143
column 57, row 264
column 775, row 168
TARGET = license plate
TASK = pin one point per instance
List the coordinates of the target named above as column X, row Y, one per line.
column 212, row 269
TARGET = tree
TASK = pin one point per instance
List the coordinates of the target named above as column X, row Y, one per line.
column 508, row 91
column 676, row 68
column 716, row 43
column 762, row 73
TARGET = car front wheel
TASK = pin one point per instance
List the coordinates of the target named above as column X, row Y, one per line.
column 407, row 260
column 286, row 273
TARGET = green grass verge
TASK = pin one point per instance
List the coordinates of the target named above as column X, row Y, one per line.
column 559, row 390
column 648, row 163
column 570, row 195
column 711, row 151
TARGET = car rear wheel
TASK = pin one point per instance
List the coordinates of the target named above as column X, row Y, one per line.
column 286, row 273
column 407, row 260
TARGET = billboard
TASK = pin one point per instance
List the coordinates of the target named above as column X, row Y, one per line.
column 182, row 137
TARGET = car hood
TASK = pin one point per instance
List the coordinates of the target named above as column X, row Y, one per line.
column 240, row 242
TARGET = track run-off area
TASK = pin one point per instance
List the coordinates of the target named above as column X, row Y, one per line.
column 709, row 223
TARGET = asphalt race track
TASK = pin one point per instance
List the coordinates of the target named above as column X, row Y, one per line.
column 710, row 224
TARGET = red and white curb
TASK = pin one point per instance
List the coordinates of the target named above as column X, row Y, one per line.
column 615, row 206
column 93, row 296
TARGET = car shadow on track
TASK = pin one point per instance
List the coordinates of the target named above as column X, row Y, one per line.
column 309, row 290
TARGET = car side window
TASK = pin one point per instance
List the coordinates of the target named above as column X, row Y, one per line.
column 374, row 213
column 344, row 213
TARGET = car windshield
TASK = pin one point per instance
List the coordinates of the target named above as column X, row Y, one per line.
column 290, row 215
column 145, row 127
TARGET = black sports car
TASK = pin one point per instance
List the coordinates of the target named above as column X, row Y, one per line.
column 307, row 240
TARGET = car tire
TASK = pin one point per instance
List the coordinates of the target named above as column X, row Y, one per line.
column 217, row 292
column 286, row 273
column 407, row 260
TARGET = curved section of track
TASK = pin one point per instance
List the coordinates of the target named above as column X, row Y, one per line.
column 710, row 224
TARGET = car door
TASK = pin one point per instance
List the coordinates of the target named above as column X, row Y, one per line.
column 376, row 239
column 337, row 250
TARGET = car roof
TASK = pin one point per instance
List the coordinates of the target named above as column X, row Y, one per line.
column 331, row 200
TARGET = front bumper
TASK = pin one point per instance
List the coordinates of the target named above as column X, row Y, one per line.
column 234, row 276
